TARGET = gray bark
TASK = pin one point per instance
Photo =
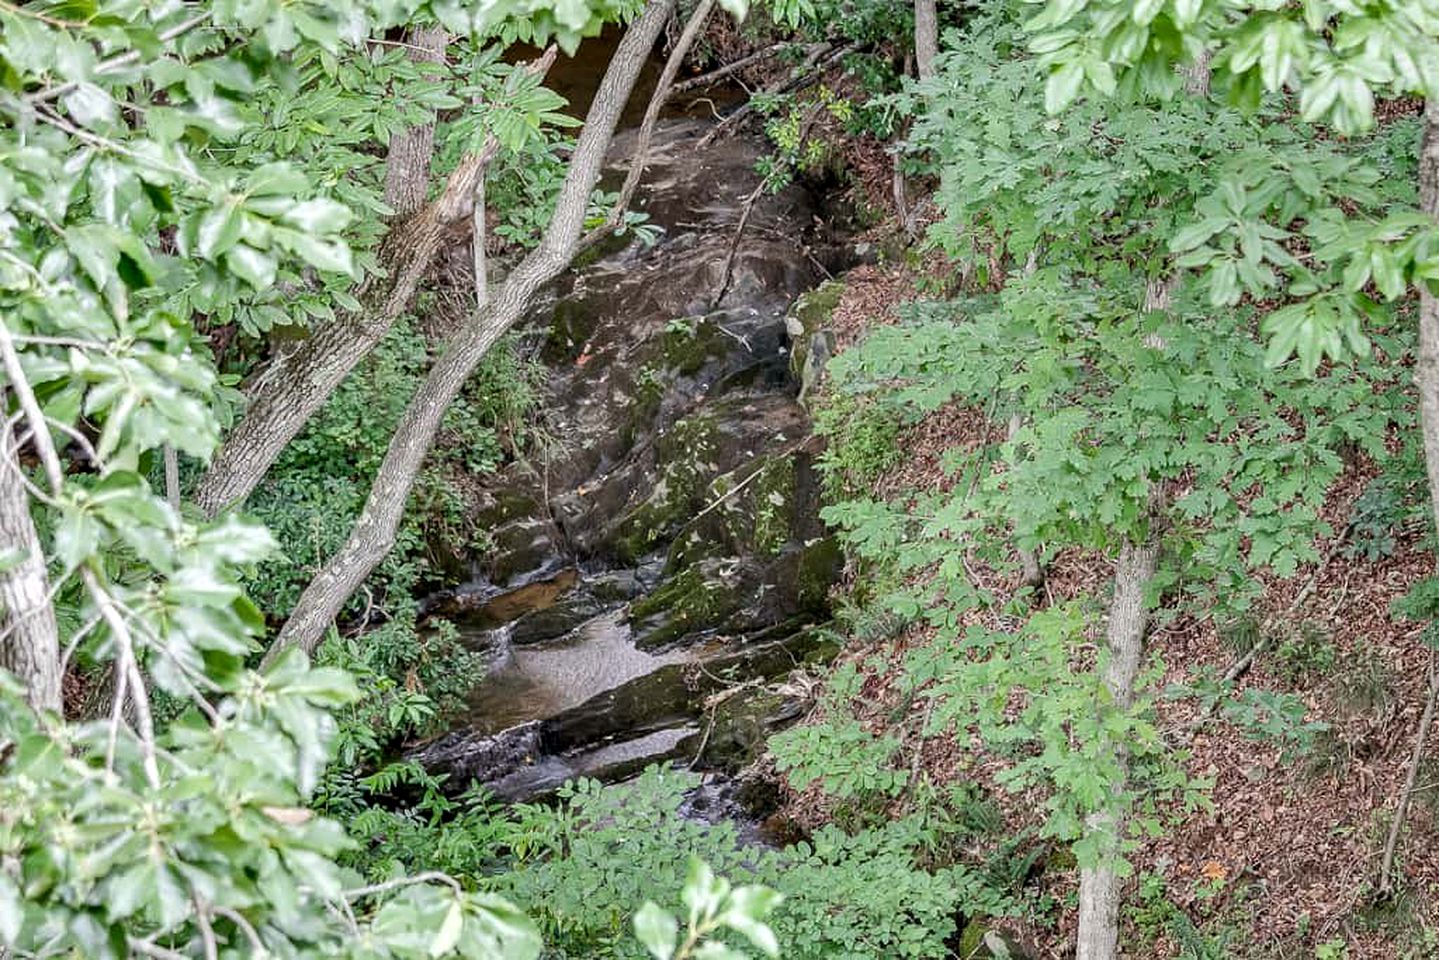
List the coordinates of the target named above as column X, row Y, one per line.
column 407, row 163
column 926, row 37
column 282, row 400
column 1426, row 371
column 374, row 531
column 1099, row 885
column 29, row 641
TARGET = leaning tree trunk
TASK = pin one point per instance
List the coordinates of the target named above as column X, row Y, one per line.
column 407, row 162
column 374, row 532
column 29, row 641
column 926, row 37
column 282, row 400
column 1099, row 885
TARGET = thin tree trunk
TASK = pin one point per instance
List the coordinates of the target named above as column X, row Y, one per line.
column 1426, row 372
column 374, row 532
column 1029, row 563
column 29, row 641
column 407, row 163
column 1401, row 810
column 663, row 87
column 1426, row 379
column 282, row 400
column 1099, row 885
column 926, row 37
column 171, row 460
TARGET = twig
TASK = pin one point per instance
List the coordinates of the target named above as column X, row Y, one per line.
column 805, row 75
column 121, row 60
column 719, row 73
column 661, row 95
column 728, row 274
column 1242, row 665
column 239, row 920
column 432, row 876
column 1386, row 866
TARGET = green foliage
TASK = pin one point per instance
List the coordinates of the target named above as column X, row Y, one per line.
column 862, row 444
column 713, row 905
column 1338, row 58
column 158, row 162
column 320, row 483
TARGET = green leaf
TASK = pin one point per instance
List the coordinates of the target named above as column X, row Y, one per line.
column 319, row 216
column 657, row 930
column 252, row 265
column 448, row 934
column 219, row 230
column 1063, row 87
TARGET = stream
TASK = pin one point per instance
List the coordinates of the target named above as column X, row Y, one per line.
column 661, row 565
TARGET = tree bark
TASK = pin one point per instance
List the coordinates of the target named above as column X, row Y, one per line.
column 1099, row 885
column 1426, row 371
column 282, row 400
column 374, row 531
column 926, row 37
column 407, row 164
column 29, row 640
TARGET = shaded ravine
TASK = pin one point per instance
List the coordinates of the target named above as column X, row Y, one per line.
column 663, row 559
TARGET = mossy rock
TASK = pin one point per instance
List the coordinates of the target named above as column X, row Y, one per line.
column 982, row 942
column 698, row 599
column 684, row 456
column 811, row 314
column 571, row 325
column 741, row 724
column 751, row 512
column 692, row 342
column 817, row 570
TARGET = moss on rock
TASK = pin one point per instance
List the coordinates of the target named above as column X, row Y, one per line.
column 810, row 314
column 698, row 598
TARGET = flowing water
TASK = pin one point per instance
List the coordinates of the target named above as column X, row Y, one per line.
column 540, row 680
column 662, row 566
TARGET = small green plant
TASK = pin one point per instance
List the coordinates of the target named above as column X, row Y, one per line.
column 1332, row 950
column 713, row 906
column 1306, row 654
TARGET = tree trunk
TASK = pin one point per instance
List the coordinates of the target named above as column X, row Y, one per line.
column 29, row 641
column 407, row 164
column 926, row 37
column 283, row 398
column 1426, row 371
column 374, row 532
column 1099, row 885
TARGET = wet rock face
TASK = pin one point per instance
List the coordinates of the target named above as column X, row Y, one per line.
column 682, row 485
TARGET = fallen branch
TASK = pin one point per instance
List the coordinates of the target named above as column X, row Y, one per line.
column 804, row 75
column 1241, row 666
column 728, row 273
column 729, row 69
column 640, row 156
column 1421, row 738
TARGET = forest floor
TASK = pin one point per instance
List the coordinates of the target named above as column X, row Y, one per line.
column 1288, row 858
